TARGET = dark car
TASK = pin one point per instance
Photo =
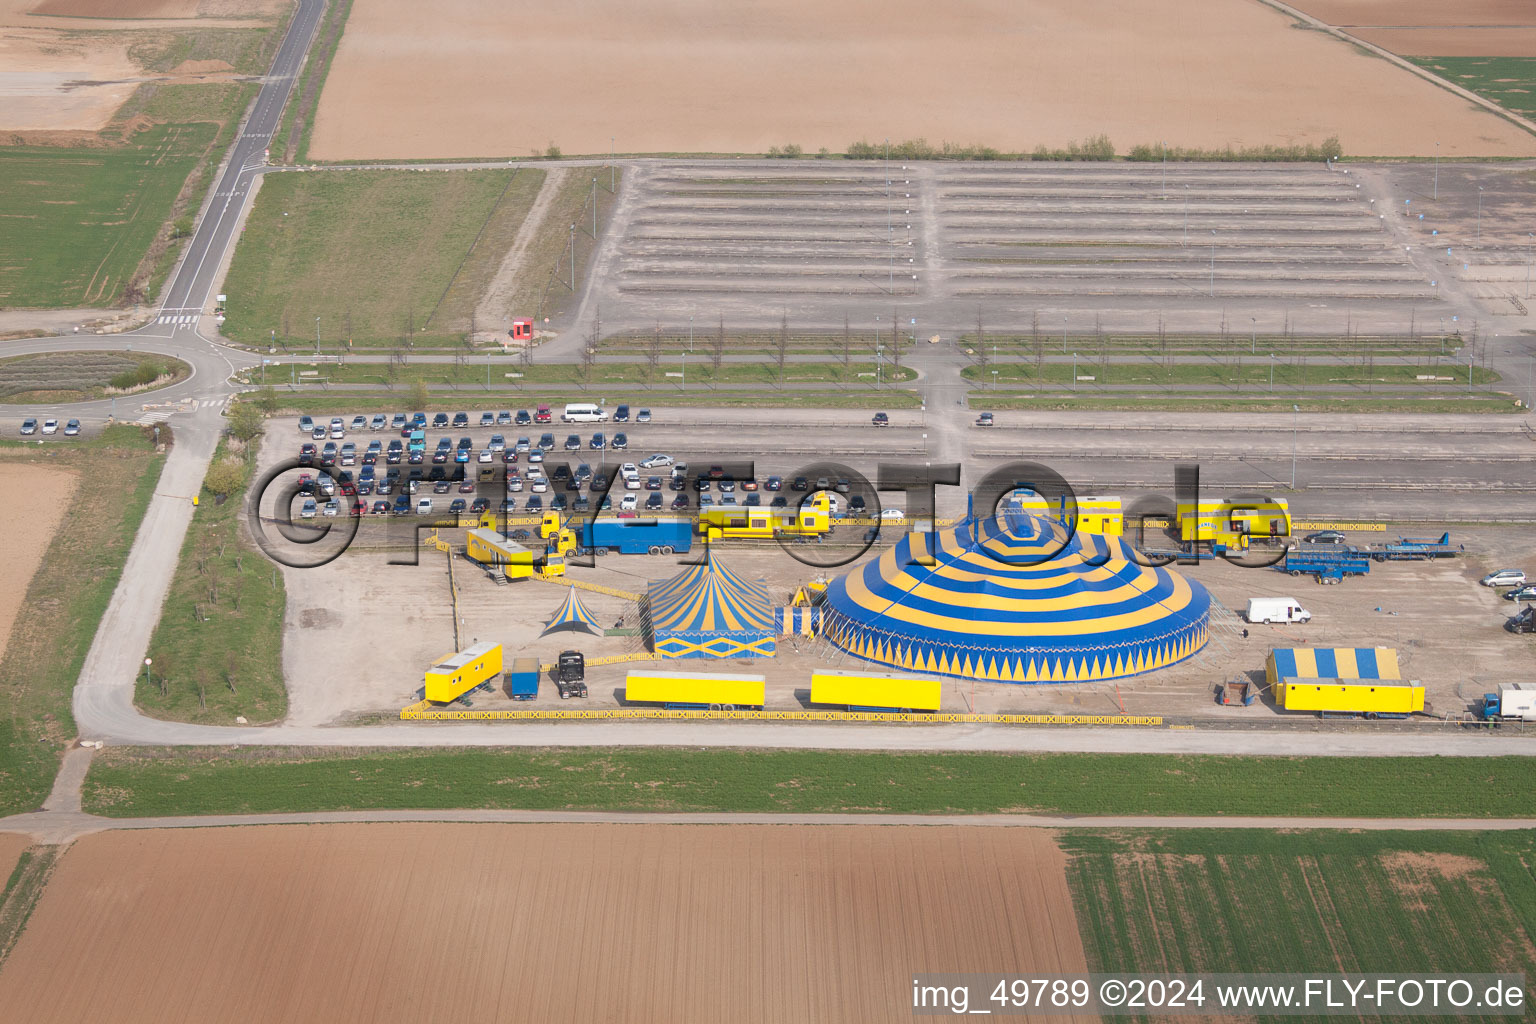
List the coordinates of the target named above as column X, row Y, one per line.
column 557, row 503
column 561, row 472
column 881, row 420
column 677, row 483
column 856, row 503
column 600, row 482
column 381, row 508
column 1324, row 537
column 653, row 483
column 547, row 442
column 619, row 443
column 598, row 442
column 442, row 487
column 403, row 505
column 480, row 505
column 535, row 504
column 581, row 504
column 621, row 414
column 461, row 419
column 466, row 487
column 653, row 503
column 573, row 442
column 508, row 456
column 779, row 501
column 523, row 419
column 680, row 503
column 800, row 484
column 440, row 420
column 457, row 505
column 774, row 483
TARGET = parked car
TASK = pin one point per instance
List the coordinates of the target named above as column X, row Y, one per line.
column 460, row 419
column 308, row 509
column 656, row 461
column 497, row 443
column 338, row 429
column 424, row 507
column 487, row 419
column 621, row 414
column 381, row 508
column 50, row 426
column 774, row 483
column 1526, row 593
column 573, row 442
column 28, row 426
column 643, row 416
column 307, row 453
column 397, row 421
column 377, row 423
column 72, row 428
column 332, row 509
column 881, row 419
column 892, row 515
column 598, row 442
column 1504, row 578
column 619, row 443
column 306, row 425
column 440, row 420
column 629, row 503
column 984, row 420
column 359, row 423
column 1324, row 537
column 523, row 419
column 504, row 418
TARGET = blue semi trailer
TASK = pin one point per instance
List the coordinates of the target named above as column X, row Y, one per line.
column 638, row 536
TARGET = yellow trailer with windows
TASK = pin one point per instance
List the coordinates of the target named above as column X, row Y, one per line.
column 1098, row 514
column 454, row 675
column 873, row 691
column 1229, row 523
column 695, row 689
column 812, row 519
column 1368, row 697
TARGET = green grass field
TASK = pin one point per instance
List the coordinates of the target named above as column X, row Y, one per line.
column 1250, row 374
column 218, row 649
column 1508, row 81
column 79, row 221
column 334, row 402
column 1254, row 402
column 1329, row 902
column 127, row 782
column 543, row 289
column 373, row 254
column 65, row 602
column 493, row 372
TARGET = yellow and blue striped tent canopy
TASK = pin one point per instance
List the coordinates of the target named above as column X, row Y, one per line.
column 707, row 611
column 1332, row 663
column 573, row 615
column 1013, row 598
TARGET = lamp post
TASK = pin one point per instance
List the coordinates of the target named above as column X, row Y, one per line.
column 1271, row 373
column 1295, row 424
column 1479, row 215
column 1437, row 170
column 1253, row 336
column 147, row 662
column 317, row 335
column 1074, row 371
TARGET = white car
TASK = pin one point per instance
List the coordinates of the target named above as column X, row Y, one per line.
column 893, row 515
column 1502, row 578
column 424, row 507
column 50, row 426
column 332, row 509
column 307, row 510
column 656, row 460
column 514, row 483
column 632, row 482
column 539, row 485
column 629, row 503
column 359, row 423
column 628, row 469
column 486, row 455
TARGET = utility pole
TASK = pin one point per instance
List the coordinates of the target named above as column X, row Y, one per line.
column 1295, row 423
column 573, row 257
column 1479, row 215
column 1437, row 170
column 317, row 335
column 890, row 229
column 594, row 208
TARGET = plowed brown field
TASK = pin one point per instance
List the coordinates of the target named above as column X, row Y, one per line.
column 1433, row 28
column 48, row 491
column 11, row 845
column 119, row 8
column 480, row 78
column 468, row 923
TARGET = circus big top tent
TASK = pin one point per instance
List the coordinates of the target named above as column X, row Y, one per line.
column 709, row 612
column 989, row 608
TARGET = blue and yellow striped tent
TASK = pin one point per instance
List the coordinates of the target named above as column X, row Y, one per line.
column 709, row 612
column 1331, row 663
column 573, row 616
column 1012, row 599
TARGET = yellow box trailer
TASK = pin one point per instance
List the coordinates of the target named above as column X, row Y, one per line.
column 1097, row 514
column 865, row 691
column 1229, row 523
column 454, row 675
column 1368, row 697
column 695, row 689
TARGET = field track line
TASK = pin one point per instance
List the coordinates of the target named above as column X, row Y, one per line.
column 52, row 828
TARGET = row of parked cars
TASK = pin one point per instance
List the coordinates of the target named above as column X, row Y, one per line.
column 406, row 422
column 29, row 427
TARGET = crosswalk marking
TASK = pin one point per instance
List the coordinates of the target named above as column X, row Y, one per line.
column 185, row 318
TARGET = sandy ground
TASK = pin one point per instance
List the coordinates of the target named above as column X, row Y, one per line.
column 11, row 845
column 444, row 80
column 1452, row 42
column 48, row 491
column 470, row 923
column 62, row 68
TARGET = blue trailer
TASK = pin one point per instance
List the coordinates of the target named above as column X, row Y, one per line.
column 1411, row 549
column 523, row 679
column 638, row 536
column 1326, row 566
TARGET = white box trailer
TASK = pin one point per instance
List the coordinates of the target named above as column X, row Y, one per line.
column 1516, row 702
column 1276, row 609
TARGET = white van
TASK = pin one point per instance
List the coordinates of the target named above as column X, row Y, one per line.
column 1276, row 609
column 582, row 412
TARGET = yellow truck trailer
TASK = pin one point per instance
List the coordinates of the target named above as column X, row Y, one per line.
column 1228, row 524
column 488, row 547
column 695, row 689
column 812, row 519
column 1369, row 697
column 454, row 675
column 1098, row 514
column 871, row 691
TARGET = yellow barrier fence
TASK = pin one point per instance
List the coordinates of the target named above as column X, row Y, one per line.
column 610, row 659
column 1351, row 527
column 596, row 588
column 423, row 711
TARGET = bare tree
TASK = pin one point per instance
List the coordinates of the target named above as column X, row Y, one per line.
column 981, row 355
column 653, row 351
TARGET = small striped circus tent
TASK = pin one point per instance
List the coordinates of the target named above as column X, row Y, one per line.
column 709, row 612
column 1011, row 599
column 573, row 616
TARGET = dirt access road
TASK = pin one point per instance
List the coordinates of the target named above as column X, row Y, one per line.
column 466, row 78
